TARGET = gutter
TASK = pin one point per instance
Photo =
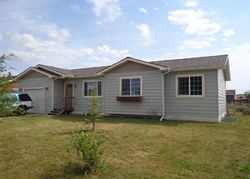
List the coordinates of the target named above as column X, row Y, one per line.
column 163, row 95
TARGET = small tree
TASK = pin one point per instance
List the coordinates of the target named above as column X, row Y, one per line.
column 4, row 79
column 6, row 101
column 94, row 111
column 88, row 151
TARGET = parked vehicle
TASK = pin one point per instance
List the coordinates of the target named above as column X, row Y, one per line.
column 23, row 102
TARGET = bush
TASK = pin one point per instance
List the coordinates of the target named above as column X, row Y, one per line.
column 88, row 151
column 7, row 107
column 240, row 108
column 246, row 111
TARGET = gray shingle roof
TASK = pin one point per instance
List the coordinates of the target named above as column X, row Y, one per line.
column 196, row 63
column 55, row 69
column 208, row 62
column 87, row 72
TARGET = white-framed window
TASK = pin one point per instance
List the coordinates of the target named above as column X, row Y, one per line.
column 131, row 86
column 190, row 85
column 92, row 87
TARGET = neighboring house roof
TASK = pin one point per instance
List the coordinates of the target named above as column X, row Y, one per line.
column 185, row 64
column 230, row 92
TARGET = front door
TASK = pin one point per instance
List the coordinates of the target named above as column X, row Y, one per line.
column 69, row 99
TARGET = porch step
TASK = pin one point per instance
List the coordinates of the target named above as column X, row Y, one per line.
column 56, row 112
column 60, row 111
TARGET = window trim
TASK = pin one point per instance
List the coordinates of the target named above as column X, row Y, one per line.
column 83, row 88
column 130, row 77
column 189, row 75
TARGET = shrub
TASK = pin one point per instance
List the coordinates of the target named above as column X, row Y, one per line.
column 88, row 151
column 7, row 107
column 240, row 108
column 6, row 102
column 246, row 111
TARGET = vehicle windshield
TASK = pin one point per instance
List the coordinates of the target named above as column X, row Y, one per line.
column 24, row 97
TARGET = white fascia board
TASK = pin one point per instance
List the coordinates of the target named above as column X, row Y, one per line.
column 18, row 77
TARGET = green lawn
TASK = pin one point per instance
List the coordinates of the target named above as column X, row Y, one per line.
column 36, row 147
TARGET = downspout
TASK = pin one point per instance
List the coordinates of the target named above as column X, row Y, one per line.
column 163, row 95
column 52, row 88
column 103, row 103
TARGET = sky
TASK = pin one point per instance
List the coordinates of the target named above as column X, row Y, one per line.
column 86, row 33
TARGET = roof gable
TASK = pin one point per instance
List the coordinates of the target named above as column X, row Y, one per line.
column 130, row 59
column 29, row 70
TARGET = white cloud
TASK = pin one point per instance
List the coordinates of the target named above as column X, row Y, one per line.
column 194, row 22
column 239, row 66
column 51, row 30
column 51, row 52
column 143, row 10
column 106, row 50
column 56, row 33
column 145, row 31
column 109, row 9
column 156, row 8
column 228, row 32
column 191, row 3
column 87, row 51
column 1, row 37
column 197, row 43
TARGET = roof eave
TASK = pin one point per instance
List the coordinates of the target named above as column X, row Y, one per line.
column 22, row 74
column 53, row 71
column 88, row 76
column 193, row 68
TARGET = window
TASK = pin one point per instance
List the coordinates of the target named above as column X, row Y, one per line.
column 24, row 97
column 131, row 86
column 91, row 87
column 190, row 85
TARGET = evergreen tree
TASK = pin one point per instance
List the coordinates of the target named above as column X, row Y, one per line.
column 94, row 111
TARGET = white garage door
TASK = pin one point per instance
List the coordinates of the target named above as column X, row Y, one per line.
column 37, row 96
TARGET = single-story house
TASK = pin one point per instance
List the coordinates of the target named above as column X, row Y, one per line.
column 180, row 89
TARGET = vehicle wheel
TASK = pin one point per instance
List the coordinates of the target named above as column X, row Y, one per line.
column 21, row 110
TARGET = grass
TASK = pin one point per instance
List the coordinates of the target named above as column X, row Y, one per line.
column 35, row 146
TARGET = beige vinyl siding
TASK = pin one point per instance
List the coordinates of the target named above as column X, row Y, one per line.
column 192, row 108
column 151, row 90
column 58, row 93
column 221, row 93
column 37, row 80
column 82, row 104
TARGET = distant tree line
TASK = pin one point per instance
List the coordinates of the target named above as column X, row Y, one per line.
column 247, row 94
